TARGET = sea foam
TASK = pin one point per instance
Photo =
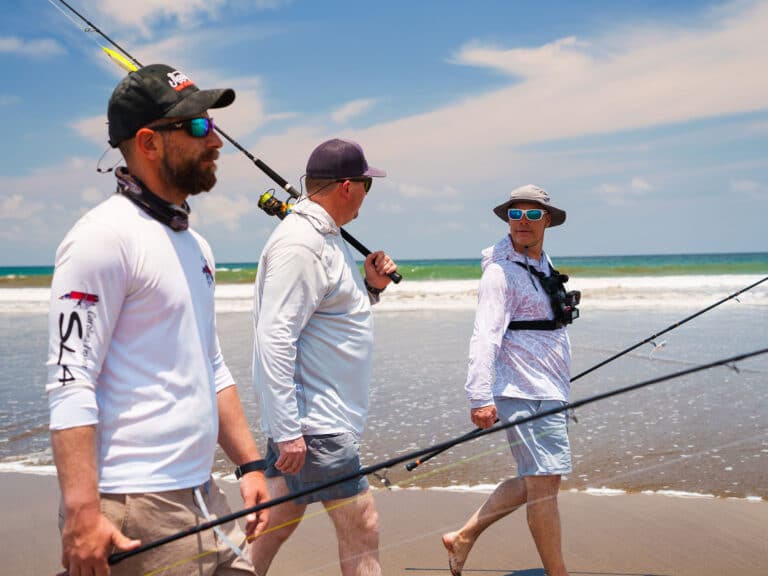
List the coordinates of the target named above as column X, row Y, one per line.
column 630, row 292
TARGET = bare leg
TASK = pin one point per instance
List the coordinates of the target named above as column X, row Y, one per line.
column 506, row 498
column 544, row 521
column 357, row 531
column 283, row 520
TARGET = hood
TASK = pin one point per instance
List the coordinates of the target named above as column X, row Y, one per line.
column 317, row 216
column 502, row 250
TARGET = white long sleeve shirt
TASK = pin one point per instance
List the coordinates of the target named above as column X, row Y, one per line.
column 531, row 364
column 313, row 330
column 133, row 348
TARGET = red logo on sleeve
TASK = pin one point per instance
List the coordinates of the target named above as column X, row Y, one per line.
column 82, row 299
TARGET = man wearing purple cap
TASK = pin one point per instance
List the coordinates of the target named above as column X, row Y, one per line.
column 312, row 358
column 519, row 366
column 139, row 393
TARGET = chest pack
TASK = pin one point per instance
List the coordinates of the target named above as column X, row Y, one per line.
column 563, row 302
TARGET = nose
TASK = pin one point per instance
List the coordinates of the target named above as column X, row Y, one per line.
column 214, row 140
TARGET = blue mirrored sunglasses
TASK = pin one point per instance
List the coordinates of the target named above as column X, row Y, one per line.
column 533, row 214
column 195, row 127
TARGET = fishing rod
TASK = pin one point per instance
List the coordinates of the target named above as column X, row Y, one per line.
column 474, row 433
column 120, row 556
column 267, row 201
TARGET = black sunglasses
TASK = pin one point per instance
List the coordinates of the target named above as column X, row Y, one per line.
column 367, row 182
column 195, row 127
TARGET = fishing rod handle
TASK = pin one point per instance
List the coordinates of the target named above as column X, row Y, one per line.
column 394, row 276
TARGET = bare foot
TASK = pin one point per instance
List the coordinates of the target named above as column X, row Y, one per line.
column 458, row 550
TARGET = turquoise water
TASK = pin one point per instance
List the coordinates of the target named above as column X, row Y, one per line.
column 467, row 268
column 633, row 265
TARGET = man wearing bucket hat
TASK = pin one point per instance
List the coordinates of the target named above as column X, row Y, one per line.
column 519, row 366
column 139, row 393
column 312, row 358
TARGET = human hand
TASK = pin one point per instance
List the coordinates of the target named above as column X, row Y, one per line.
column 483, row 417
column 378, row 266
column 292, row 454
column 86, row 538
column 253, row 489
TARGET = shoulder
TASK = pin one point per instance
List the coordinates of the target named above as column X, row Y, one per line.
column 102, row 227
column 295, row 233
column 203, row 243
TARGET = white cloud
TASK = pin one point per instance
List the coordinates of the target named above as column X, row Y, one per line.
column 92, row 195
column 560, row 58
column 750, row 189
column 758, row 128
column 624, row 194
column 640, row 185
column 16, row 207
column 418, row 192
column 351, row 109
column 447, row 207
column 8, row 100
column 637, row 78
column 140, row 14
column 94, row 129
column 42, row 47
column 222, row 210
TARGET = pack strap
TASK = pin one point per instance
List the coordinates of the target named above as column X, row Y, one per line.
column 534, row 325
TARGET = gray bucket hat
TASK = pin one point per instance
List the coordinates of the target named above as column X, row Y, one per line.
column 531, row 193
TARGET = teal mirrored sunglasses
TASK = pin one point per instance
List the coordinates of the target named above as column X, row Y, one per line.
column 533, row 214
column 195, row 127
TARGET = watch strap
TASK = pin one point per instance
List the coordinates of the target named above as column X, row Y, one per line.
column 253, row 466
column 373, row 290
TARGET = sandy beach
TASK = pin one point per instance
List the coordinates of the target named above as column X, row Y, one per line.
column 626, row 535
column 673, row 438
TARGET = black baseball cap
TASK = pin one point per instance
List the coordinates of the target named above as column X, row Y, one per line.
column 337, row 158
column 157, row 91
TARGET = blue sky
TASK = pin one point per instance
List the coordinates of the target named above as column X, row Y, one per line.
column 646, row 121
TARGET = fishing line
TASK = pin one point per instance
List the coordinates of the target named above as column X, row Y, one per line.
column 279, row 180
column 473, row 433
column 119, row 556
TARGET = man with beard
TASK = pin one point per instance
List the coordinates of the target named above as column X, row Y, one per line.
column 139, row 393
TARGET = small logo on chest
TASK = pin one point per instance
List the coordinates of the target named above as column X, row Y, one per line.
column 207, row 272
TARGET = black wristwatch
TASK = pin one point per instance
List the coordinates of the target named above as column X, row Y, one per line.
column 371, row 289
column 253, row 466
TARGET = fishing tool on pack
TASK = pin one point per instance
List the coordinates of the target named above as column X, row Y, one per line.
column 130, row 64
column 564, row 303
column 436, row 448
column 652, row 339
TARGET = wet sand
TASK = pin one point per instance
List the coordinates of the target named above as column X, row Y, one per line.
column 626, row 535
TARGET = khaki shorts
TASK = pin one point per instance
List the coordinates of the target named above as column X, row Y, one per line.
column 149, row 517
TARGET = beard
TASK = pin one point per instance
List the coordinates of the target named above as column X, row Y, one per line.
column 189, row 174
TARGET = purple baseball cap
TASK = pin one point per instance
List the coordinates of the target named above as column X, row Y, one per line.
column 336, row 159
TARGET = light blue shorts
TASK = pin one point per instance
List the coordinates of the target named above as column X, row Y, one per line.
column 540, row 447
column 329, row 456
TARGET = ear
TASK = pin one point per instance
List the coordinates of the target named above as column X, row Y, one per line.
column 149, row 143
column 344, row 187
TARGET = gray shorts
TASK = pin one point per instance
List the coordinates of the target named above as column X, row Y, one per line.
column 329, row 456
column 540, row 447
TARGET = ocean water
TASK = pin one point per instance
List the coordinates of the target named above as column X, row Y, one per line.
column 469, row 268
column 706, row 433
